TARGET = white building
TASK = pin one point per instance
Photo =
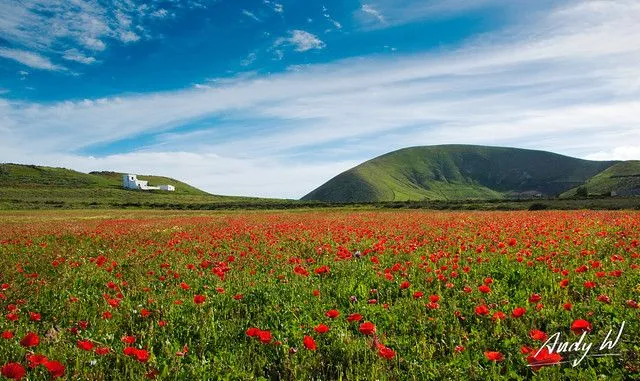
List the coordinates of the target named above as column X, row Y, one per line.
column 130, row 181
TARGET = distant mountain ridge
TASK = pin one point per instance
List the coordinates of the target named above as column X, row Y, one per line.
column 459, row 172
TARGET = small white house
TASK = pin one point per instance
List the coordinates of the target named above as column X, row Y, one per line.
column 130, row 181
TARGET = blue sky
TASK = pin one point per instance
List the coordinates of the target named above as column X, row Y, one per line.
column 272, row 98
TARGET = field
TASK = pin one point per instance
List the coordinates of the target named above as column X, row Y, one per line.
column 327, row 294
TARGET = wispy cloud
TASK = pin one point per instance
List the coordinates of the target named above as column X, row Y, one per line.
column 77, row 56
column 50, row 28
column 370, row 10
column 275, row 6
column 327, row 16
column 301, row 41
column 250, row 15
column 386, row 13
column 30, row 59
column 251, row 58
column 565, row 81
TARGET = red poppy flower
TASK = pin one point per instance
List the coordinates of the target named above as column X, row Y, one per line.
column 128, row 339
column 30, row 340
column 567, row 306
column 332, row 314
column 367, row 328
column 404, row 285
column 85, row 345
column 418, row 294
column 525, row 350
column 36, row 359
column 184, row 286
column 13, row 371
column 538, row 335
column 33, row 316
column 316, row 293
column 7, row 335
column 265, row 337
column 518, row 312
column 322, row 270
column 142, row 355
column 321, row 328
column 129, row 351
column 309, row 343
column 101, row 351
column 493, row 356
column 55, row 368
column 145, row 312
column 107, row 315
column 252, row 332
column 484, row 289
column 534, row 298
column 458, row 349
column 386, row 352
column 541, row 358
column 12, row 316
column 482, row 310
column 579, row 326
column 434, row 298
column 199, row 299
column 498, row 315
column 589, row 284
column 354, row 317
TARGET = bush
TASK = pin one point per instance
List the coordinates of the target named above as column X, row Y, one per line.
column 537, row 206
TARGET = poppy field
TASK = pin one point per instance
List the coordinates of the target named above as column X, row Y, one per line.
column 328, row 295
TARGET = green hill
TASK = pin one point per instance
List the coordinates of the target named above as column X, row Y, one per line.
column 31, row 186
column 458, row 172
column 622, row 179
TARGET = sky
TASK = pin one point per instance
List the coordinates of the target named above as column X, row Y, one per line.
column 273, row 98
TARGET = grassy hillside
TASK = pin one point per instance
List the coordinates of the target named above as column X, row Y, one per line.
column 458, row 172
column 30, row 186
column 622, row 178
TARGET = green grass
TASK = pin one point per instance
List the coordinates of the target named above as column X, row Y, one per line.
column 39, row 187
column 622, row 178
column 458, row 172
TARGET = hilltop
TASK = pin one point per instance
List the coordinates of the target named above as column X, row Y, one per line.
column 459, row 172
column 32, row 186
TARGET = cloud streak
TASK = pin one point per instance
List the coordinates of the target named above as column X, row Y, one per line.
column 30, row 59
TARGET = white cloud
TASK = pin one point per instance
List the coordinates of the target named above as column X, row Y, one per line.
column 325, row 13
column 30, row 59
column 75, row 55
column 376, row 14
column 160, row 13
column 251, row 58
column 52, row 27
column 618, row 153
column 370, row 10
column 250, row 15
column 564, row 81
column 301, row 40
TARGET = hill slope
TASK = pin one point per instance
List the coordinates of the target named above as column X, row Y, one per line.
column 623, row 179
column 30, row 186
column 457, row 172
